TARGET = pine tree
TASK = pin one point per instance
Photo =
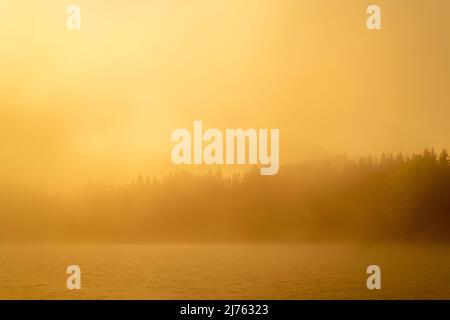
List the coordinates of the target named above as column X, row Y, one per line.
column 443, row 158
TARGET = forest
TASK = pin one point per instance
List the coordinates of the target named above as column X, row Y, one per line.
column 387, row 198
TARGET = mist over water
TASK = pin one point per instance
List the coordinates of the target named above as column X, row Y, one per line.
column 86, row 118
column 225, row 271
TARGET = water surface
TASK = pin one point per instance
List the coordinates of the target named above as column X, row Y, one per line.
column 225, row 271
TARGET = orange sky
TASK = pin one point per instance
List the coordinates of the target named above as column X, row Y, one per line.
column 100, row 103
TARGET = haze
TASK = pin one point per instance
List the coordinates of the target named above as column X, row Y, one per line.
column 99, row 104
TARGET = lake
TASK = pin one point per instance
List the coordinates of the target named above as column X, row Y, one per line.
column 225, row 271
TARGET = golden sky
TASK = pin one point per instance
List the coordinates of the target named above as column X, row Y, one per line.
column 99, row 104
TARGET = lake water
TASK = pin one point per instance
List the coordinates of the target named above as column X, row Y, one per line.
column 225, row 271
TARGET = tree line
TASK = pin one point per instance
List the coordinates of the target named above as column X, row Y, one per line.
column 389, row 198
